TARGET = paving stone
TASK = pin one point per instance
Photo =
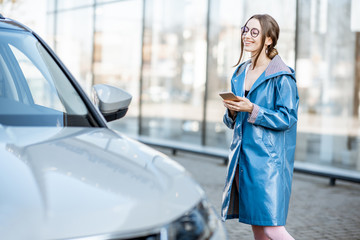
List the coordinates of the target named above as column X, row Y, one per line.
column 317, row 210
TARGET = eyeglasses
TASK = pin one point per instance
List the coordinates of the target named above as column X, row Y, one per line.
column 254, row 32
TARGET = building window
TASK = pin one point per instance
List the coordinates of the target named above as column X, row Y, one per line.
column 328, row 129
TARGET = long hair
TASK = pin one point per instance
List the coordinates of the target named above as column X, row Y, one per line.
column 269, row 28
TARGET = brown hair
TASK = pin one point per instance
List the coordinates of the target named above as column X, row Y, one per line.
column 269, row 28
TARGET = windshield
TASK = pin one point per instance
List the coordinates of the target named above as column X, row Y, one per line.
column 34, row 91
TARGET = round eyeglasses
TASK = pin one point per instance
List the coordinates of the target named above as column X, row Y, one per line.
column 254, row 32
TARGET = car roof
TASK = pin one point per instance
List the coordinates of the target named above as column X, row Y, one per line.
column 11, row 24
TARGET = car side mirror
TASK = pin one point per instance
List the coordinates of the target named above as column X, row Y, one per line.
column 112, row 102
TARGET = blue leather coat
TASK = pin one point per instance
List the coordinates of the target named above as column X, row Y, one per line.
column 263, row 147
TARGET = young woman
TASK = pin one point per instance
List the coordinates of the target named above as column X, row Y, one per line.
column 258, row 184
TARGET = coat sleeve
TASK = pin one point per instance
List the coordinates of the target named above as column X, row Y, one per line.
column 284, row 114
column 230, row 122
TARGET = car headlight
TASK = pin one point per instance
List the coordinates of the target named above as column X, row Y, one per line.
column 198, row 223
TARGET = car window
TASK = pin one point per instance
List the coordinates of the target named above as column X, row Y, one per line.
column 41, row 91
column 7, row 88
column 34, row 91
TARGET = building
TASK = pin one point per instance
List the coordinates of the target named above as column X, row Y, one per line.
column 174, row 56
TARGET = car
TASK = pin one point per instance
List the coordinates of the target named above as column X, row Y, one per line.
column 64, row 174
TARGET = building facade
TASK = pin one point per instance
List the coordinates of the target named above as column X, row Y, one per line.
column 175, row 56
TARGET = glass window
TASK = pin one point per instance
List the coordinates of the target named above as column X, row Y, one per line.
column 69, row 4
column 224, row 50
column 174, row 66
column 74, row 40
column 50, row 30
column 117, row 54
column 33, row 89
column 50, row 5
column 105, row 1
column 42, row 92
column 328, row 129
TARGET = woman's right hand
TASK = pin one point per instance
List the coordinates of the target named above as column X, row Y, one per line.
column 231, row 112
column 243, row 105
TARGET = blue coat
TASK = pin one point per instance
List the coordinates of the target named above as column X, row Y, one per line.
column 263, row 147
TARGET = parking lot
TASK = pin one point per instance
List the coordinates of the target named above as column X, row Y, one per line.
column 317, row 210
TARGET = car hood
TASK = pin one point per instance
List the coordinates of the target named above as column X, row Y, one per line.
column 71, row 182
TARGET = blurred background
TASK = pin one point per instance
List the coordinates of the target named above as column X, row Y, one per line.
column 175, row 56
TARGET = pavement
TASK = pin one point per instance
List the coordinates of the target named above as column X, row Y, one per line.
column 317, row 210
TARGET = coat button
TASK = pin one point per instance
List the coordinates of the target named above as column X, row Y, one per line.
column 241, row 171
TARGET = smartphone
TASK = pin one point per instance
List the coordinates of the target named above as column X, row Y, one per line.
column 229, row 96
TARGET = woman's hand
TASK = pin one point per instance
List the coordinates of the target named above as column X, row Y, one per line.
column 243, row 105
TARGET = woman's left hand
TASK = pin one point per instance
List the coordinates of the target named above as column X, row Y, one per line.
column 243, row 105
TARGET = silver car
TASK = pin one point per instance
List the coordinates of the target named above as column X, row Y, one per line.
column 65, row 175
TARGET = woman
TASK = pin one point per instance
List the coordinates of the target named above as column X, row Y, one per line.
column 264, row 122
